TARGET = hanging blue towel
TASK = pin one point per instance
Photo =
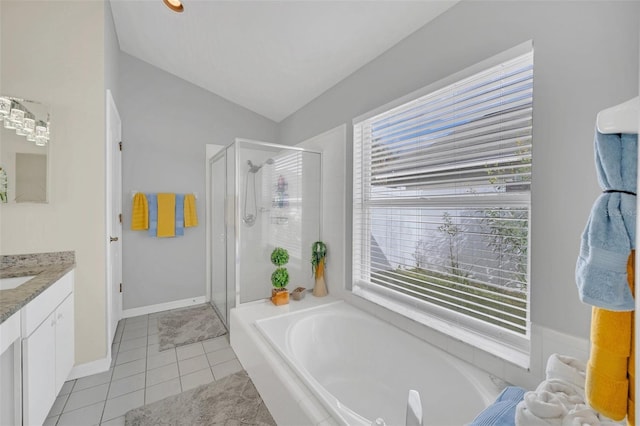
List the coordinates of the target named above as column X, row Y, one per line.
column 179, row 214
column 152, row 201
column 609, row 237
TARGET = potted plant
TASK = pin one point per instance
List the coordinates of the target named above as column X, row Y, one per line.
column 318, row 260
column 279, row 277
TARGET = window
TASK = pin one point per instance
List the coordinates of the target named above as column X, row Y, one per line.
column 282, row 189
column 442, row 196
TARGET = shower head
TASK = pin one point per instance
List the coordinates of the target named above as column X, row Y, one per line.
column 254, row 168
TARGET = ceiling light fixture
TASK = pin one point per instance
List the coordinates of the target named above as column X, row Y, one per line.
column 175, row 5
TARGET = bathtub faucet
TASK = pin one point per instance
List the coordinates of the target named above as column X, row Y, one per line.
column 414, row 409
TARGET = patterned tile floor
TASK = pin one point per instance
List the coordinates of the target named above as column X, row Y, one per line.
column 139, row 375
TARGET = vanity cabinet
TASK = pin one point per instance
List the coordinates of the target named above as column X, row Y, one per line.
column 10, row 371
column 47, row 348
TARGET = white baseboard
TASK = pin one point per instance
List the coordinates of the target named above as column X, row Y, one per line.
column 89, row 368
column 152, row 309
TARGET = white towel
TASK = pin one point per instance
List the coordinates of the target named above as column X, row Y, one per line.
column 567, row 368
column 569, row 395
column 540, row 408
column 581, row 415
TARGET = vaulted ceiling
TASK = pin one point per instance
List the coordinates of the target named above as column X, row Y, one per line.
column 271, row 57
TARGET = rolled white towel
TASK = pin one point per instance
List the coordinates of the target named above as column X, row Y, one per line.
column 581, row 415
column 540, row 408
column 567, row 368
column 569, row 395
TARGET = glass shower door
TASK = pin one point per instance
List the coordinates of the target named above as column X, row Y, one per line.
column 218, row 263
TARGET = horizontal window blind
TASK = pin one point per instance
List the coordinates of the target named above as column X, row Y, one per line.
column 442, row 200
column 282, row 193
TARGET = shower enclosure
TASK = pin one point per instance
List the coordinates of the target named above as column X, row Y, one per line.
column 262, row 196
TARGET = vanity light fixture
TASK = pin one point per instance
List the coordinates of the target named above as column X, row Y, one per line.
column 16, row 116
column 175, row 5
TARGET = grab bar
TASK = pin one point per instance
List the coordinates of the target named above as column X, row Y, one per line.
column 414, row 409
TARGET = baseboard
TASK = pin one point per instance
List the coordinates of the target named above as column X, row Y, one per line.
column 152, row 309
column 89, row 368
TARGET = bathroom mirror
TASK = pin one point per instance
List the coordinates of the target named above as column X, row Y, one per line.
column 24, row 151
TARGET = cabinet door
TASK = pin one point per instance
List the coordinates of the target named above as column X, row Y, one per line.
column 65, row 341
column 38, row 371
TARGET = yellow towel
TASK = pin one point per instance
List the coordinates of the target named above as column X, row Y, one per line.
column 166, row 215
column 631, row 370
column 190, row 214
column 607, row 383
column 631, row 404
column 139, row 213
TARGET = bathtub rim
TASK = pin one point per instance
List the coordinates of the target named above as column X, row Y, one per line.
column 294, row 404
column 312, row 385
column 487, row 393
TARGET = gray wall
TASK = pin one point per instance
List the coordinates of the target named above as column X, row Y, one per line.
column 586, row 59
column 166, row 124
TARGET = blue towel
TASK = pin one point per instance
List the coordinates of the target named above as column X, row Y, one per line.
column 152, row 201
column 179, row 214
column 503, row 411
column 609, row 237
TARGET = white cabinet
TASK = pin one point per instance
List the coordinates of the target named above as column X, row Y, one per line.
column 65, row 341
column 10, row 371
column 38, row 378
column 47, row 348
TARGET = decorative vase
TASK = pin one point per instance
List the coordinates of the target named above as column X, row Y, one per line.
column 279, row 296
column 320, row 289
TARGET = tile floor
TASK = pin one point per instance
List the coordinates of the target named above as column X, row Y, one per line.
column 140, row 374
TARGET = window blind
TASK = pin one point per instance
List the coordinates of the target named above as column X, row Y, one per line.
column 442, row 201
column 282, row 189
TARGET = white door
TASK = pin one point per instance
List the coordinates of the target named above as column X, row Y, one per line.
column 114, row 218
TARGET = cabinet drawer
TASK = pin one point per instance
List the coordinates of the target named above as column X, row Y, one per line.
column 36, row 311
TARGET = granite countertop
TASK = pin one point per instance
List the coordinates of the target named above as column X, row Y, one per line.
column 11, row 301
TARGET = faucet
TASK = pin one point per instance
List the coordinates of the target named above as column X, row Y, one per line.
column 414, row 409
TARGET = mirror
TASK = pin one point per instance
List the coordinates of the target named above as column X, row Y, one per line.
column 24, row 151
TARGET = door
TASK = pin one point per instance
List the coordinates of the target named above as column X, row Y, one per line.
column 217, row 168
column 114, row 218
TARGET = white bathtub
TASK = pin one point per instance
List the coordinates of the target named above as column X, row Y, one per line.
column 362, row 368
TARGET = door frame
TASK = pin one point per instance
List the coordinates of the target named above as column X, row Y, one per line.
column 212, row 151
column 114, row 308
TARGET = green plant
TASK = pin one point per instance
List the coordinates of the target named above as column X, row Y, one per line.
column 318, row 255
column 280, row 277
column 279, row 256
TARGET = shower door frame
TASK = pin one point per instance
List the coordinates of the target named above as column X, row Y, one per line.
column 219, row 156
column 250, row 143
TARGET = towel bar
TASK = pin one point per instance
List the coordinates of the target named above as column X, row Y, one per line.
column 133, row 194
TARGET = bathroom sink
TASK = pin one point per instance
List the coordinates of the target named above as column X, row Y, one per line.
column 10, row 283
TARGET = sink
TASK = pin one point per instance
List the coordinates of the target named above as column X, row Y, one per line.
column 9, row 283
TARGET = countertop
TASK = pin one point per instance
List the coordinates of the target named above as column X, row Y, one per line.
column 11, row 301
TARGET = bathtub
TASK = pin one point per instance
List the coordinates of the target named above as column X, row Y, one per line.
column 362, row 368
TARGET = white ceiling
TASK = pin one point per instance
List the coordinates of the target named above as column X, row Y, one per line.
column 271, row 57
